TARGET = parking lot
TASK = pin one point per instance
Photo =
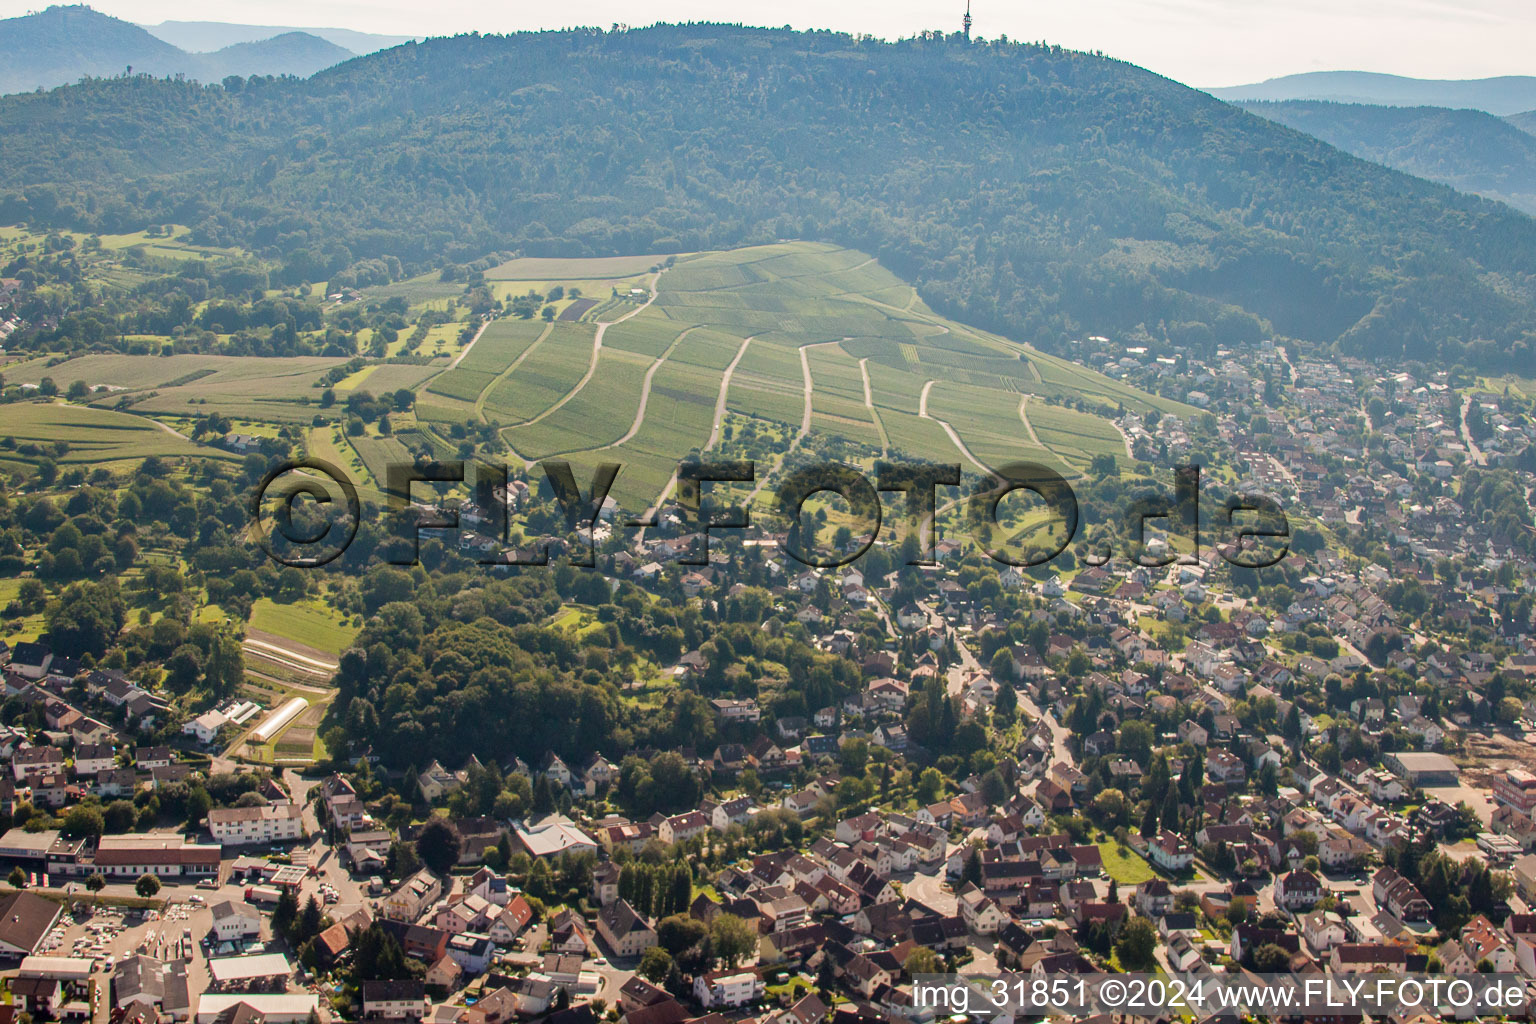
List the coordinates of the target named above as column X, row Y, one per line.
column 107, row 934
column 92, row 928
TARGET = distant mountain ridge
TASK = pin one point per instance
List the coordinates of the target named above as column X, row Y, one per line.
column 206, row 36
column 292, row 53
column 1510, row 94
column 64, row 44
column 1468, row 150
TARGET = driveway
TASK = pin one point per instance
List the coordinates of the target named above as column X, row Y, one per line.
column 930, row 890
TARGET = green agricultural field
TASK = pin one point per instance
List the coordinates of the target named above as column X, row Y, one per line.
column 460, row 383
column 501, row 343
column 432, row 407
column 989, row 424
column 378, row 454
column 837, row 403
column 388, row 378
column 894, row 389
column 648, row 334
column 80, row 435
column 1075, row 436
column 307, row 622
column 918, row 438
column 549, row 373
column 596, row 416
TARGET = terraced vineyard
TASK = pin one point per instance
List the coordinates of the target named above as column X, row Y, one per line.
column 821, row 342
column 788, row 351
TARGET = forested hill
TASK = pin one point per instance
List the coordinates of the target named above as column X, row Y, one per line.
column 1466, row 149
column 1036, row 191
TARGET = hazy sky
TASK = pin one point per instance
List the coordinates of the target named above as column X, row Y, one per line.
column 1201, row 42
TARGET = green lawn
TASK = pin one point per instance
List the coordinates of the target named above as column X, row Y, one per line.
column 579, row 619
column 306, row 622
column 27, row 627
column 1125, row 867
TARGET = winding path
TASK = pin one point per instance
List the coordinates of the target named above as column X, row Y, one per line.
column 167, row 428
column 922, row 410
column 725, row 386
column 714, row 436
column 809, row 389
column 465, row 350
column 1029, row 428
column 597, row 348
column 869, row 403
column 645, row 399
column 1129, row 452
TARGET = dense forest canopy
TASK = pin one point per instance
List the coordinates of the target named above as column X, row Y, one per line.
column 1029, row 189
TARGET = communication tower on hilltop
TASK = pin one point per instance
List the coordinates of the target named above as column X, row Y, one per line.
column 967, row 22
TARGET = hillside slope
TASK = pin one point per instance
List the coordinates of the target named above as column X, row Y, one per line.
column 64, row 44
column 1042, row 193
column 806, row 348
column 1498, row 96
column 1465, row 149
